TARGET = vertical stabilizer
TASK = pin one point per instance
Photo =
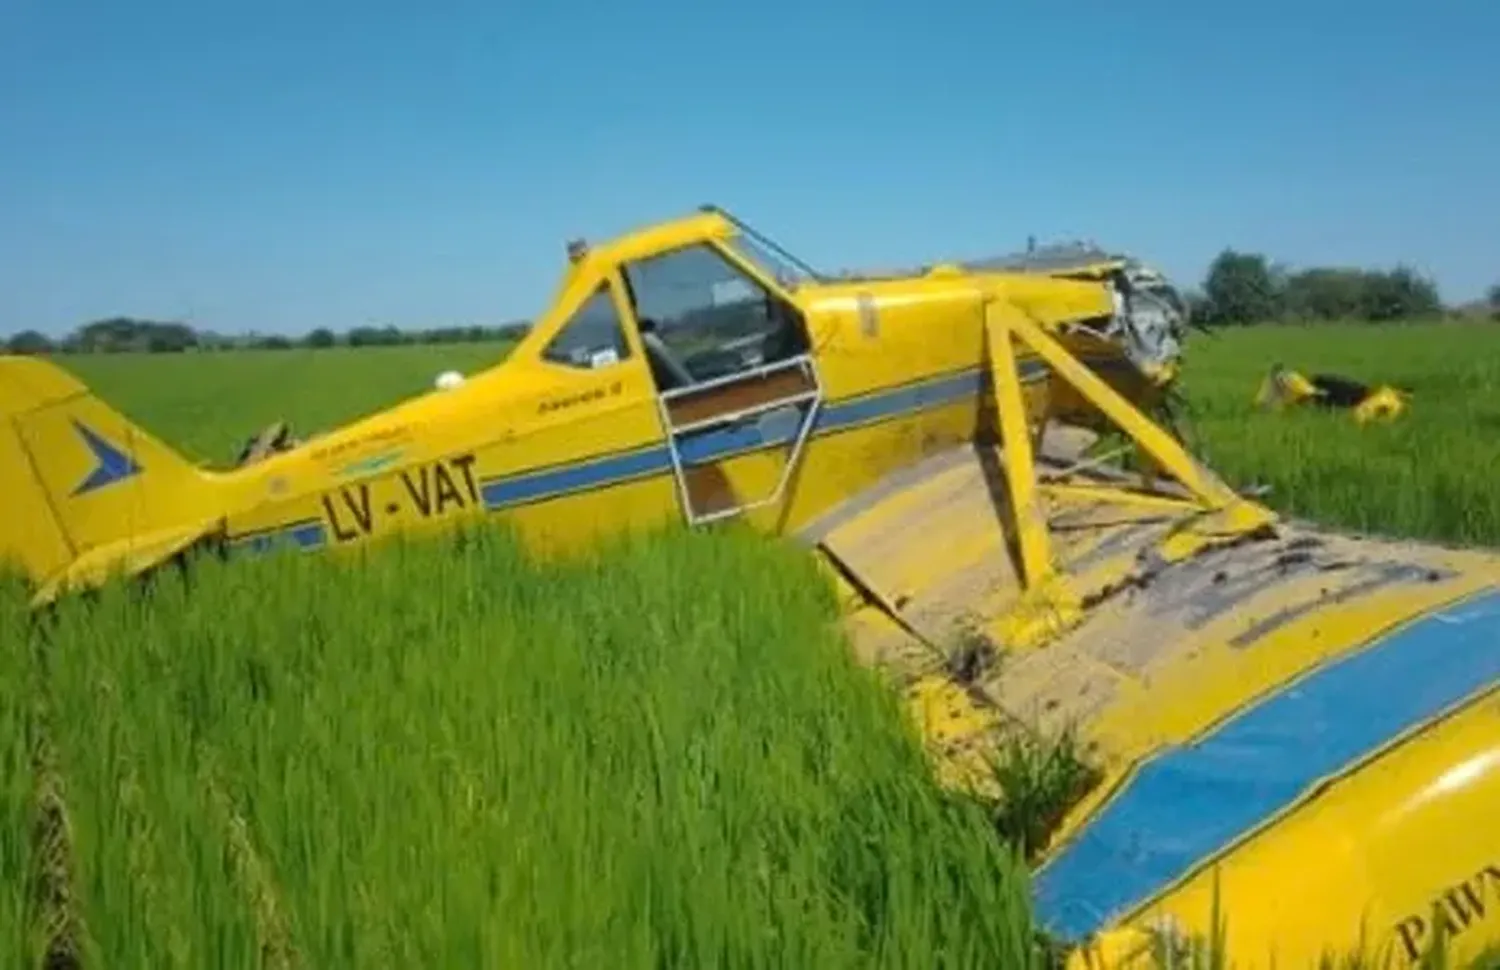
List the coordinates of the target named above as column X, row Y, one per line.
column 86, row 491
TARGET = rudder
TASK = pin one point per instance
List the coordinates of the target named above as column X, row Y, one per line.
column 88, row 492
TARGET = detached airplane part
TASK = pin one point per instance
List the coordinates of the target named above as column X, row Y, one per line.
column 1285, row 388
column 1306, row 722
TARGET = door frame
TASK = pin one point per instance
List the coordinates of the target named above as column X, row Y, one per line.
column 751, row 420
column 745, row 411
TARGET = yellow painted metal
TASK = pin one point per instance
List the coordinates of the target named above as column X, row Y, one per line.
column 1142, row 675
column 1048, row 606
column 1386, row 861
column 1168, row 454
column 1016, row 439
column 34, row 537
column 1382, row 404
column 946, row 490
column 960, row 731
column 1283, row 388
column 1141, row 672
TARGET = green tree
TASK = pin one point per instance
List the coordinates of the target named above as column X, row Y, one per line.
column 1326, row 293
column 1240, row 289
column 29, row 342
column 1401, row 294
column 320, row 338
column 387, row 336
column 122, row 334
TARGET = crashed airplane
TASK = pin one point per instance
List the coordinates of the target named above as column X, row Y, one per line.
column 1299, row 723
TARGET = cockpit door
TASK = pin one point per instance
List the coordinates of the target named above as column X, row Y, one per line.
column 761, row 417
column 738, row 388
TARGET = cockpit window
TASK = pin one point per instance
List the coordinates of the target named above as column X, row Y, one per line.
column 594, row 337
column 702, row 317
column 785, row 273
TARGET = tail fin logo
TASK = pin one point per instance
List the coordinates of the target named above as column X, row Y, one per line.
column 111, row 464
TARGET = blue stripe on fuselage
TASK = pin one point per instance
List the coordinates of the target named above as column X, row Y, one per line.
column 518, row 488
column 574, row 477
column 305, row 535
column 719, row 444
column 907, row 399
column 1187, row 804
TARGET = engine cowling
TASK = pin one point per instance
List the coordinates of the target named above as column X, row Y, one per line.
column 1150, row 316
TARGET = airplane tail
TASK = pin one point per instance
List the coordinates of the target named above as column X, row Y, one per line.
column 87, row 493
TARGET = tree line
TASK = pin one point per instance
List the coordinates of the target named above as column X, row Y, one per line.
column 135, row 335
column 1239, row 289
column 1244, row 289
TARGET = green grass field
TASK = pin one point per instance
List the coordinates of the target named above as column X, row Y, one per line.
column 448, row 757
column 1427, row 475
column 445, row 755
column 207, row 404
column 1430, row 474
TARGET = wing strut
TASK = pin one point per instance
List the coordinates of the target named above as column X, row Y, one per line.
column 1214, row 513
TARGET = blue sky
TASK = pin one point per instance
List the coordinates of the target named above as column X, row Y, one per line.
column 281, row 166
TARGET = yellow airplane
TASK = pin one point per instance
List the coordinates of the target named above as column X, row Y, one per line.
column 1300, row 725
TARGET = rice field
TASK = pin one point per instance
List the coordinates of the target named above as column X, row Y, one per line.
column 444, row 754
column 207, row 404
column 497, row 765
column 1428, row 475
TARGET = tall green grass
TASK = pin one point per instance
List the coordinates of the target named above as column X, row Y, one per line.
column 445, row 755
column 18, row 943
column 1430, row 474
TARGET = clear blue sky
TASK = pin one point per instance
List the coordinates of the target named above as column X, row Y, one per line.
column 280, row 166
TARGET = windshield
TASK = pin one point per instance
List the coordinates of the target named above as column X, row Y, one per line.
column 784, row 272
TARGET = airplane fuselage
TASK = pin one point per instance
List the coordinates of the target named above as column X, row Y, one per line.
column 873, row 376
